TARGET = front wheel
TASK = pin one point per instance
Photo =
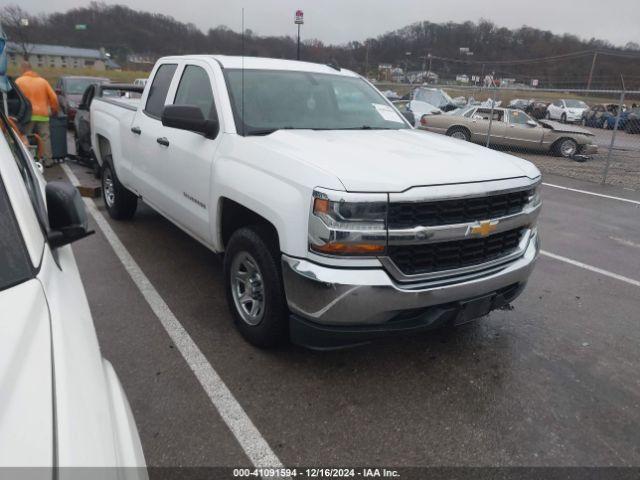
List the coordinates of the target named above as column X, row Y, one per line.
column 120, row 202
column 254, row 288
column 567, row 148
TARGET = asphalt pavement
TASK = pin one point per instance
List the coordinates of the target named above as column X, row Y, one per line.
column 555, row 381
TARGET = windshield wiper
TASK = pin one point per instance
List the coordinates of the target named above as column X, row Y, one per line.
column 267, row 131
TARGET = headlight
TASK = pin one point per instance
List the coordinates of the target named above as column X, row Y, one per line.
column 534, row 197
column 342, row 223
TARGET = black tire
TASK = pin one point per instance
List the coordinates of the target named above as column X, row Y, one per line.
column 547, row 115
column 563, row 118
column 631, row 128
column 561, row 148
column 122, row 205
column 272, row 328
column 459, row 133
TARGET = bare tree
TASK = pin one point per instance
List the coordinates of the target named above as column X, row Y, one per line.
column 13, row 18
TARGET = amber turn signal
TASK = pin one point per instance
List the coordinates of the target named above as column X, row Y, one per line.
column 320, row 205
column 349, row 249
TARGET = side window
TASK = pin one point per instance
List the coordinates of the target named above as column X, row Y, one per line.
column 25, row 166
column 195, row 89
column 15, row 266
column 518, row 118
column 470, row 113
column 159, row 88
column 485, row 114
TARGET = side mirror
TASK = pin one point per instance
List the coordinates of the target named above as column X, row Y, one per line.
column 411, row 118
column 67, row 216
column 531, row 123
column 189, row 117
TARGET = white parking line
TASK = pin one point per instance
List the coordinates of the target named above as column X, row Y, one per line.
column 243, row 429
column 591, row 268
column 587, row 192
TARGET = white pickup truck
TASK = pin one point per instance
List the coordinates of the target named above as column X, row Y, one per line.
column 338, row 221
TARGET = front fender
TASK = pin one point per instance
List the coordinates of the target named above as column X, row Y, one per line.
column 274, row 186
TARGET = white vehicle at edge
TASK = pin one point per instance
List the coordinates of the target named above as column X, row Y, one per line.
column 338, row 221
column 566, row 110
column 62, row 403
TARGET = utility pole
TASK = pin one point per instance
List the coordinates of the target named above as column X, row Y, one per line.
column 593, row 66
column 299, row 20
column 366, row 61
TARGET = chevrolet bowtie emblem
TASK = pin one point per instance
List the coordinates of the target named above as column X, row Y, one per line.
column 484, row 228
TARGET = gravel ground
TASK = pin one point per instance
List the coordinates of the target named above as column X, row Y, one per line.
column 624, row 170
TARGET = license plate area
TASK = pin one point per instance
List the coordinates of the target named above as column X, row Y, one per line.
column 472, row 309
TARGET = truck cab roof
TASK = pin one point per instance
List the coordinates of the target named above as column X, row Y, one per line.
column 260, row 63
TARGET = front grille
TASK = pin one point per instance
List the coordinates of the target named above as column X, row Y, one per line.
column 434, row 257
column 448, row 212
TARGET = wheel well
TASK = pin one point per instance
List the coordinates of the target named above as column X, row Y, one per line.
column 104, row 147
column 555, row 146
column 458, row 127
column 234, row 216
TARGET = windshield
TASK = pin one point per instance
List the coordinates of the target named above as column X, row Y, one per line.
column 437, row 98
column 576, row 104
column 77, row 86
column 275, row 99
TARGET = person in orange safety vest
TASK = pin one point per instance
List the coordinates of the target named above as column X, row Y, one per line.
column 44, row 103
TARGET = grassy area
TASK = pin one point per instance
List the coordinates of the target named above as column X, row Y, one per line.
column 117, row 76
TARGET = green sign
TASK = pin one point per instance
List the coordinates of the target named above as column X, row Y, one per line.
column 81, row 26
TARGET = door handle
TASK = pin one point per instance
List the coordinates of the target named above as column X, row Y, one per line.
column 136, row 130
column 163, row 141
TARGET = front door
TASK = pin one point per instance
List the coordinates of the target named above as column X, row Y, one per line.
column 185, row 172
column 521, row 131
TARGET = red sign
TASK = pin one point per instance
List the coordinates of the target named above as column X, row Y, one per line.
column 299, row 19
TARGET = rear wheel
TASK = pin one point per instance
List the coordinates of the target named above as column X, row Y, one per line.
column 565, row 147
column 631, row 128
column 254, row 289
column 120, row 202
column 460, row 134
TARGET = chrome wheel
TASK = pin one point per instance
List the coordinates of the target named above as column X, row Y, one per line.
column 247, row 288
column 568, row 148
column 108, row 187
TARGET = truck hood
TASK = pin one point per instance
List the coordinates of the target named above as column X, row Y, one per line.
column 26, row 400
column 395, row 160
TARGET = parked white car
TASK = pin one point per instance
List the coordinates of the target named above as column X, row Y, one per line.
column 61, row 402
column 339, row 222
column 566, row 110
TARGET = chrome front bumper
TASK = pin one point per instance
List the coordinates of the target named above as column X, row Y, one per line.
column 371, row 297
column 589, row 149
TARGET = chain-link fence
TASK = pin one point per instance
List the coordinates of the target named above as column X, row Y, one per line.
column 591, row 135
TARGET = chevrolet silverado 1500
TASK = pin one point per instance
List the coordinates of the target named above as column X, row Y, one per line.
column 339, row 222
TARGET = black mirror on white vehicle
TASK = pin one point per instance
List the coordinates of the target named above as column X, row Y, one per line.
column 189, row 117
column 67, row 215
column 411, row 118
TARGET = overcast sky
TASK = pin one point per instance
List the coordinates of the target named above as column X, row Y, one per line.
column 337, row 21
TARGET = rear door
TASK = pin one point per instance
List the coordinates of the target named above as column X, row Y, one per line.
column 145, row 134
column 185, row 163
column 481, row 122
